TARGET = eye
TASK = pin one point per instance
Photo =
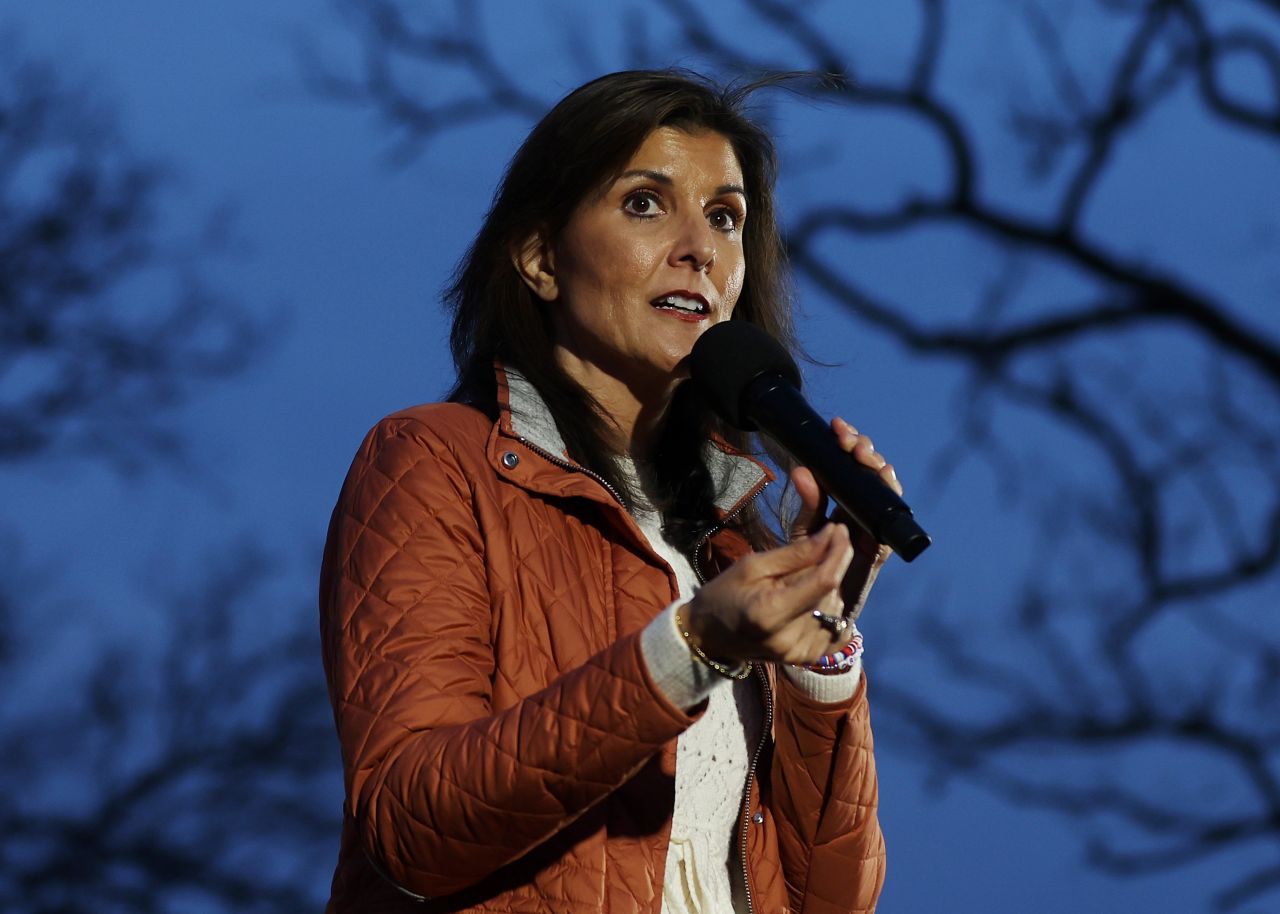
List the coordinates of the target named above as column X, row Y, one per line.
column 642, row 203
column 724, row 219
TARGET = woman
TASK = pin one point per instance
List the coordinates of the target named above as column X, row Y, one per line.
column 539, row 708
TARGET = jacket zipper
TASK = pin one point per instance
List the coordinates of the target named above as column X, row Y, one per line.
column 720, row 525
column 745, row 803
column 570, row 465
column 702, row 579
column 751, row 773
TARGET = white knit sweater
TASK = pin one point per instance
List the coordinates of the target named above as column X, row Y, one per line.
column 704, row 869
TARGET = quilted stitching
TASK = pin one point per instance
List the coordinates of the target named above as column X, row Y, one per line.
column 834, row 852
column 501, row 736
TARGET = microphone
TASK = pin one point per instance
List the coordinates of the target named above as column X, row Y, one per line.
column 751, row 382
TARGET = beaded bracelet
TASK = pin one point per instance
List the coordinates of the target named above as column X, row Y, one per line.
column 743, row 670
column 840, row 661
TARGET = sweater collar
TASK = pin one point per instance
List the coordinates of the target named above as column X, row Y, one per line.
column 525, row 415
column 529, row 415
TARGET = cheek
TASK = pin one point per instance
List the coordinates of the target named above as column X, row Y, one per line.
column 733, row 282
column 610, row 268
column 636, row 262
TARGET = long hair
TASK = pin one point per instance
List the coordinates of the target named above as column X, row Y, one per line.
column 581, row 145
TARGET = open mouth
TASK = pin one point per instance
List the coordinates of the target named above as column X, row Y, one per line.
column 680, row 303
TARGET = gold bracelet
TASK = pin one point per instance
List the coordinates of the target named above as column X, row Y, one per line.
column 742, row 672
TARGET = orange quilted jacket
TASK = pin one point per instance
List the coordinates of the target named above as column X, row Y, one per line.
column 503, row 744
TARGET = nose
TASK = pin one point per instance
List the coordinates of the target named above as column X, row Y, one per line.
column 695, row 246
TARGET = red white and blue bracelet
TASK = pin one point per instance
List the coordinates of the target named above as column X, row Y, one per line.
column 840, row 661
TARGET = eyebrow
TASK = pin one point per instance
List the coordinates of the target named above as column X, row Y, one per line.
column 659, row 178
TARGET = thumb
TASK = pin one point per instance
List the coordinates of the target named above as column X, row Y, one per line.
column 813, row 503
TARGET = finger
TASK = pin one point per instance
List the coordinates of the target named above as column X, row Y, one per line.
column 831, row 558
column 804, row 553
column 844, row 432
column 821, row 639
column 799, row 593
column 829, row 602
column 830, row 605
column 813, row 503
column 890, row 477
column 864, row 451
column 800, row 640
column 841, row 553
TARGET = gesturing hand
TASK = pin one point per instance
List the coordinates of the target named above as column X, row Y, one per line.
column 761, row 608
column 869, row 555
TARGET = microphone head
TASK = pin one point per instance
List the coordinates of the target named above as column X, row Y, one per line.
column 727, row 358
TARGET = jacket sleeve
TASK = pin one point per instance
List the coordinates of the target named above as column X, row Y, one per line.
column 442, row 790
column 825, row 795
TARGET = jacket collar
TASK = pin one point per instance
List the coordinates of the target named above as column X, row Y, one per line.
column 735, row 477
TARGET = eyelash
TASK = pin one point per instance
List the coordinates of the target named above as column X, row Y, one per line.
column 734, row 217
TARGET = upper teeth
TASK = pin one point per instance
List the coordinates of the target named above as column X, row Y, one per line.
column 684, row 304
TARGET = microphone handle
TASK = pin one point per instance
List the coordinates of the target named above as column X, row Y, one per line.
column 782, row 412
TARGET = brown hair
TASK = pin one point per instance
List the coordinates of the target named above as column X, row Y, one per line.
column 581, row 145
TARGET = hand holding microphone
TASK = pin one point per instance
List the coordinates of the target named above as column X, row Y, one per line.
column 752, row 383
column 868, row 555
column 763, row 606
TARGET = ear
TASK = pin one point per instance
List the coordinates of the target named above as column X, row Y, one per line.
column 534, row 260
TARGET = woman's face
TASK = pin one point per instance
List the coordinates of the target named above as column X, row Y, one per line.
column 645, row 266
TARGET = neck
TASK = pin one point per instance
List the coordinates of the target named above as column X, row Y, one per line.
column 633, row 410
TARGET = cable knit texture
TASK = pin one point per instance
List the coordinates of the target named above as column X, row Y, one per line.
column 703, row 872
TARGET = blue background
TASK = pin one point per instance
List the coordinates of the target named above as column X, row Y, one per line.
column 344, row 242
